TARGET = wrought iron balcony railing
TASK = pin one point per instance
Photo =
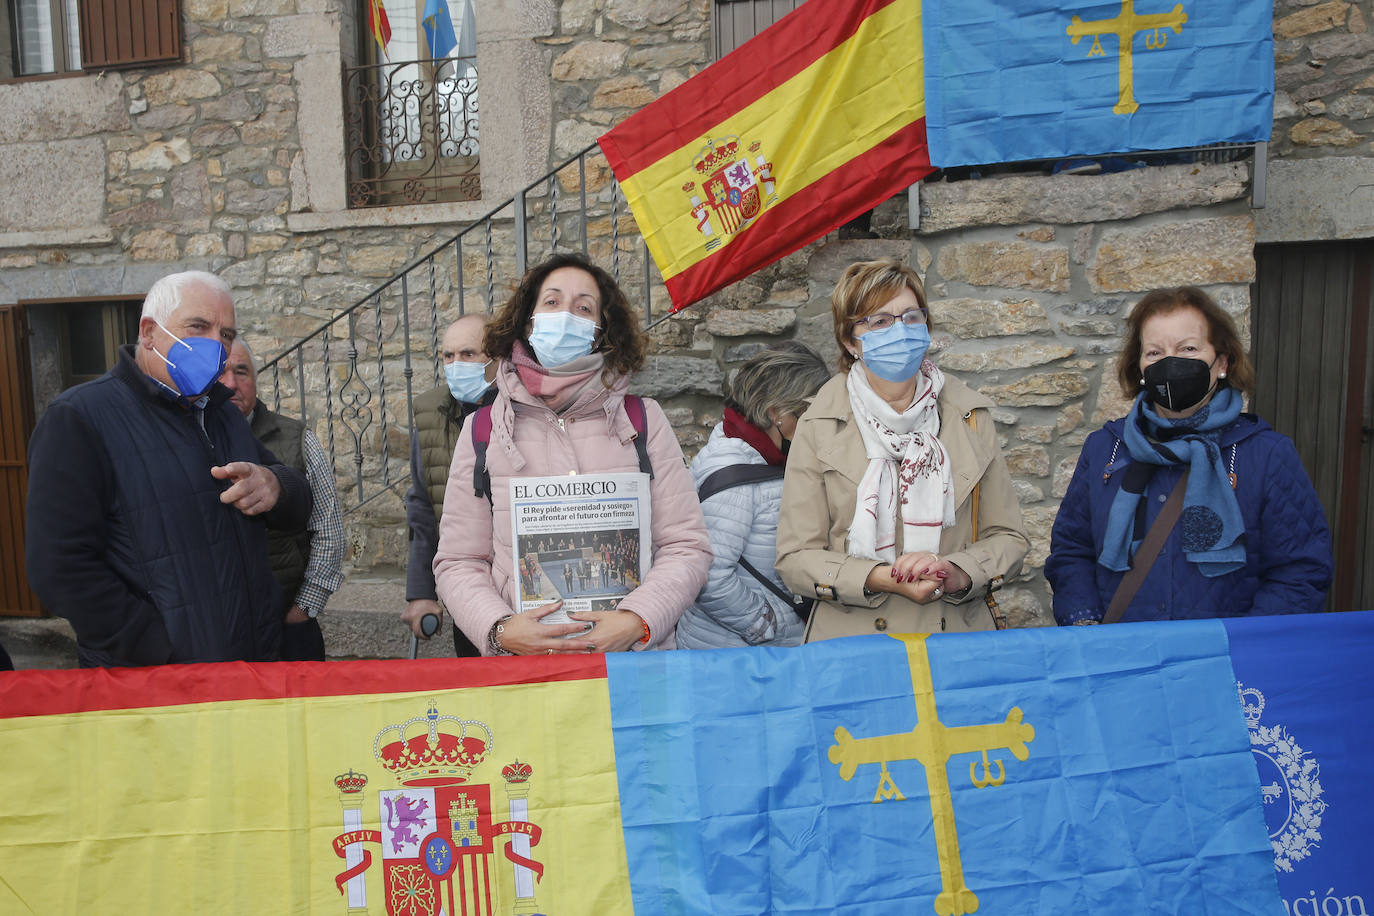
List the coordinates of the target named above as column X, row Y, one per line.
column 411, row 132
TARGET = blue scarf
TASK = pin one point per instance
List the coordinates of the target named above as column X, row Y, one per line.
column 1211, row 525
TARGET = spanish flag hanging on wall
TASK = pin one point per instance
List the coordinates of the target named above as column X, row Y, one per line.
column 814, row 121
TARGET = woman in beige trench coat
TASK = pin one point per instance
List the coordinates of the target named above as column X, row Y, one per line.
column 877, row 505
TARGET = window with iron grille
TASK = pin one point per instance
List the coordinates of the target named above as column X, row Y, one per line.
column 61, row 36
column 411, row 113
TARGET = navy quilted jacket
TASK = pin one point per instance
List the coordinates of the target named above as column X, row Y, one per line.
column 1287, row 545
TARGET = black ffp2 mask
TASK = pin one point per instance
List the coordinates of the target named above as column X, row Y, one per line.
column 1177, row 382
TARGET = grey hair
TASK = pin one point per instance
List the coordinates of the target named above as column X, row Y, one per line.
column 252, row 360
column 781, row 377
column 164, row 297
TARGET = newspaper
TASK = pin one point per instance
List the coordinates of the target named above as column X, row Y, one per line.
column 581, row 538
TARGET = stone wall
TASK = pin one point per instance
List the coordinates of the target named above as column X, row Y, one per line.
column 1323, row 79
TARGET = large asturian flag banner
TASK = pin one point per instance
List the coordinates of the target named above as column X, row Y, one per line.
column 1140, row 768
column 1039, row 79
column 809, row 124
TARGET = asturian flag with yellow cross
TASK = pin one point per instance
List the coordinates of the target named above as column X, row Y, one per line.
column 1010, row 80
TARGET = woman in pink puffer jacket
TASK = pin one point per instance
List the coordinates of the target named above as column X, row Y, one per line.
column 567, row 342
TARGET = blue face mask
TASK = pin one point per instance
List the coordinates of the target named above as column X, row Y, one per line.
column 466, row 381
column 193, row 363
column 894, row 354
column 561, row 337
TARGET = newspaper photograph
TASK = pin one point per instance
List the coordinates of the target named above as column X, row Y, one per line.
column 583, row 538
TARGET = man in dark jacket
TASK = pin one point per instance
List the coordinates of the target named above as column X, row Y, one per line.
column 439, row 416
column 149, row 499
column 308, row 561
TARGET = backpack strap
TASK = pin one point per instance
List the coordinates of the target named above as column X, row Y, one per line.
column 634, row 408
column 481, row 436
column 736, row 475
column 480, row 421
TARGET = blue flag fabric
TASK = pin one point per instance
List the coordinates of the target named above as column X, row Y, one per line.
column 1009, row 80
column 1306, row 683
column 439, row 36
column 1037, row 771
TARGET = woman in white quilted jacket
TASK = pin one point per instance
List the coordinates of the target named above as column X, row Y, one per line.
column 738, row 474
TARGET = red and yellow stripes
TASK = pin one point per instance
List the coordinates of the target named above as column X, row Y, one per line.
column 378, row 24
column 832, row 94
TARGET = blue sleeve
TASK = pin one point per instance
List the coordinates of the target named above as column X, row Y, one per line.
column 1071, row 567
column 1295, row 543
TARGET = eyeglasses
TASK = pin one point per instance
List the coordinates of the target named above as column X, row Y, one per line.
column 881, row 321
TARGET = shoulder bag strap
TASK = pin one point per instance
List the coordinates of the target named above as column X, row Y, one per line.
column 999, row 619
column 1149, row 550
column 736, row 475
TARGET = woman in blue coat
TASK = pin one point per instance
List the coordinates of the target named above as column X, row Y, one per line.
column 1252, row 537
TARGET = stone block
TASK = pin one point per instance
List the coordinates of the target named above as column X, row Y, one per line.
column 975, row 318
column 239, row 105
column 740, row 352
column 62, row 109
column 662, row 57
column 1319, row 18
column 1067, row 199
column 1014, row 356
column 1010, row 265
column 589, row 60
column 1111, row 402
column 1039, row 522
column 1027, row 461
column 623, row 92
column 668, row 376
column 165, row 117
column 1040, row 389
column 378, row 260
column 637, row 15
column 1322, row 132
column 295, row 36
column 161, row 155
column 153, row 245
column 180, row 85
column 1318, row 199
column 571, row 136
column 1063, row 473
column 214, row 48
column 739, row 323
column 204, row 245
column 1201, row 252
column 69, row 197
column 1027, row 493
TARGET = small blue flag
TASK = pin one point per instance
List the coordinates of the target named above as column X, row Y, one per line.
column 1009, row 80
column 439, row 36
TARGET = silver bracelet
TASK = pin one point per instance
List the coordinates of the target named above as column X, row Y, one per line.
column 494, row 636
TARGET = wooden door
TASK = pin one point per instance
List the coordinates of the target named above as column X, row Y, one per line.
column 16, row 421
column 1312, row 344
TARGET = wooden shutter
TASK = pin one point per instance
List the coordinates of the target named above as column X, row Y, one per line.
column 129, row 33
column 16, row 420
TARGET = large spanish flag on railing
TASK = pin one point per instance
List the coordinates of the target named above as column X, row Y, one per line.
column 1164, row 768
column 806, row 126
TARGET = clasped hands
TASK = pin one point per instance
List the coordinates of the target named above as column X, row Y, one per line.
column 921, row 577
column 594, row 631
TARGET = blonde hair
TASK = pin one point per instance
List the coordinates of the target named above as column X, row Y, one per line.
column 864, row 288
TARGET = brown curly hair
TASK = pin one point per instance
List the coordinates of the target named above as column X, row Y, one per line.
column 1221, row 333
column 620, row 339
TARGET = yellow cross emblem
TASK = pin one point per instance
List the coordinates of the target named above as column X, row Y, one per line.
column 931, row 743
column 1124, row 27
